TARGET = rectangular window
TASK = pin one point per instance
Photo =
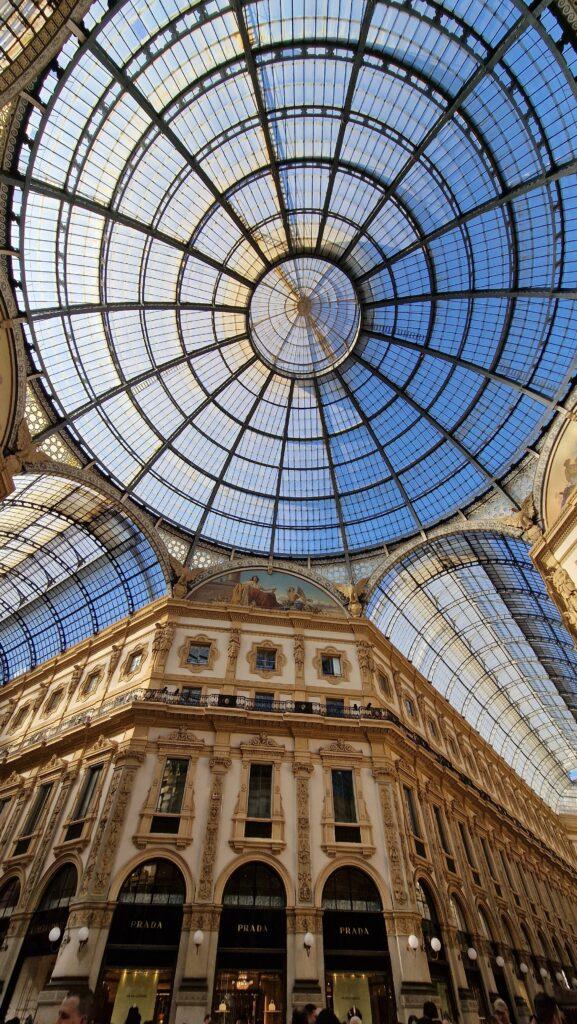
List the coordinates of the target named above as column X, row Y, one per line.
column 385, row 686
column 433, row 728
column 263, row 701
column 198, row 654
column 330, row 665
column 410, row 708
column 20, row 716
column 344, row 806
column 33, row 818
column 134, row 662
column 74, row 830
column 170, row 796
column 265, row 659
column 259, row 806
column 335, row 706
column 54, row 701
column 444, row 839
column 91, row 683
column 469, row 854
column 490, row 864
column 191, row 694
column 414, row 822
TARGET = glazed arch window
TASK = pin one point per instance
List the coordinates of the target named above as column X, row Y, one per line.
column 76, row 825
column 154, row 882
column 414, row 821
column 198, row 654
column 350, row 890
column 170, row 796
column 258, row 824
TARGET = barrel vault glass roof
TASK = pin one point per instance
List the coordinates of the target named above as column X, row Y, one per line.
column 70, row 565
column 472, row 614
column 426, row 151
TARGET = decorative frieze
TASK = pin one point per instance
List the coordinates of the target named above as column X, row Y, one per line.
column 219, row 766
column 304, row 871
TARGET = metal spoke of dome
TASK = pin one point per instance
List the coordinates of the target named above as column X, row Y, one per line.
column 485, row 68
column 539, row 181
column 112, row 307
column 499, row 378
column 128, row 85
column 331, row 465
column 239, row 13
column 278, row 486
column 115, row 217
column 476, row 293
column 129, row 384
column 353, row 78
column 406, row 397
column 205, row 404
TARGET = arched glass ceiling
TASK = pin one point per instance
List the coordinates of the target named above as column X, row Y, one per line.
column 472, row 614
column 20, row 20
column 70, row 564
column 426, row 151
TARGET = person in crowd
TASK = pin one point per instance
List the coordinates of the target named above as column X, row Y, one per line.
column 501, row 1011
column 327, row 1016
column 532, row 1019
column 413, row 1019
column 207, row 1019
column 430, row 1013
column 77, row 1007
column 311, row 1011
column 355, row 1020
column 546, row 1009
column 299, row 1016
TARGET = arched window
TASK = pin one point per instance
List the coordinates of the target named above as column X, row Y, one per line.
column 9, row 896
column 458, row 915
column 486, row 930
column 526, row 939
column 254, row 885
column 155, row 881
column 508, row 933
column 60, row 889
column 427, row 908
column 350, row 889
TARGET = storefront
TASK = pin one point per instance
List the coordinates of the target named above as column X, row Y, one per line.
column 469, row 957
column 436, row 950
column 250, row 976
column 38, row 953
column 137, row 974
column 497, row 968
column 358, row 973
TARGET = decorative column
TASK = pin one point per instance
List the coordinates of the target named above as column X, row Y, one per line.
column 367, row 667
column 410, row 967
column 307, row 966
column 192, row 995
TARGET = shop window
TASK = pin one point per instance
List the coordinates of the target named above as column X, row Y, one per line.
column 444, row 839
column 344, row 806
column 20, row 716
column 385, row 686
column 170, row 796
column 258, row 824
column 335, row 707
column 331, row 665
column 468, row 848
column 414, row 822
column 263, row 701
column 53, row 701
column 154, row 882
column 32, row 820
column 78, row 820
column 191, row 695
column 265, row 660
column 254, row 885
column 352, row 891
column 198, row 654
column 91, row 683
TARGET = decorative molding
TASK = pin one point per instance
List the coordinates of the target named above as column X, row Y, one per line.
column 302, row 773
column 161, row 643
column 219, row 766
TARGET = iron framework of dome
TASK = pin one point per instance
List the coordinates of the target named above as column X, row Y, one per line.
column 400, row 177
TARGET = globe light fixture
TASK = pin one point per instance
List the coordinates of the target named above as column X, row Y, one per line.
column 413, row 942
column 54, row 934
column 499, row 960
column 472, row 953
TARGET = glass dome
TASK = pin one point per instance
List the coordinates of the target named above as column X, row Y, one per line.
column 299, row 278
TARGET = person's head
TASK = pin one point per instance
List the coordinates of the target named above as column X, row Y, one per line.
column 430, row 1010
column 327, row 1016
column 355, row 1020
column 546, row 1009
column 501, row 1011
column 311, row 1011
column 299, row 1016
column 77, row 1007
column 412, row 1019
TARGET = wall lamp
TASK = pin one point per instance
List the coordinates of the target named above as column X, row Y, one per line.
column 543, row 972
column 500, row 961
column 198, row 939
column 523, row 968
column 471, row 954
column 308, row 942
column 83, row 935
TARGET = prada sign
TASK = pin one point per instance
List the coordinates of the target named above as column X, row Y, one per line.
column 145, row 925
column 242, row 927
column 356, row 932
